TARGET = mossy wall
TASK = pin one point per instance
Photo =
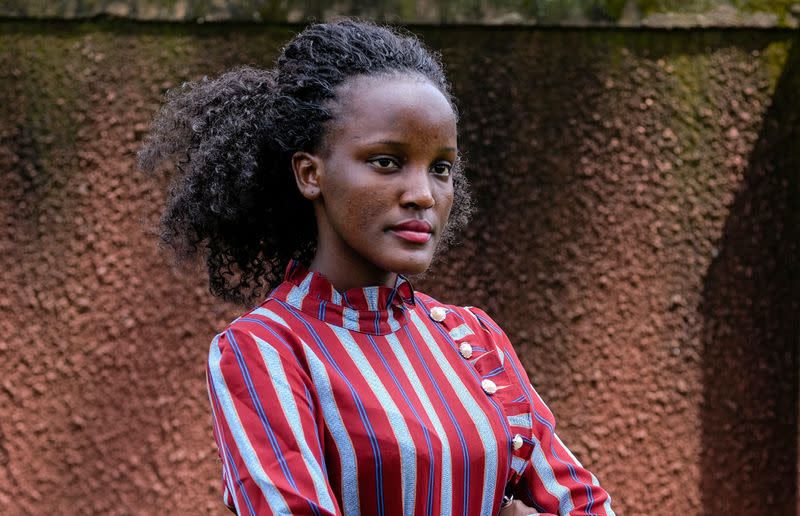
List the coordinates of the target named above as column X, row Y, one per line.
column 584, row 13
column 637, row 237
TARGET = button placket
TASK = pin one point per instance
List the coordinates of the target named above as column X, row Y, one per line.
column 487, row 359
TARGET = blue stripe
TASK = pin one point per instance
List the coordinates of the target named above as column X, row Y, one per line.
column 494, row 372
column 545, row 472
column 393, row 324
column 316, row 430
column 371, row 295
column 607, row 503
column 487, row 323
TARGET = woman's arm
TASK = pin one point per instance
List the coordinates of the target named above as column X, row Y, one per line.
column 553, row 481
column 265, row 427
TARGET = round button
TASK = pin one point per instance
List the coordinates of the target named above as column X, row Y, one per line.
column 517, row 442
column 438, row 313
column 489, row 386
column 465, row 349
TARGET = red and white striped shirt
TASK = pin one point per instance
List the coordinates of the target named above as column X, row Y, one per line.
column 382, row 401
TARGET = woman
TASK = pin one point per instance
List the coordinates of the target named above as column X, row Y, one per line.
column 345, row 391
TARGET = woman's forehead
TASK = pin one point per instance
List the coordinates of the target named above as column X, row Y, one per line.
column 391, row 104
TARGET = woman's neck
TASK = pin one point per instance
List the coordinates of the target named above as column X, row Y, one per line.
column 346, row 273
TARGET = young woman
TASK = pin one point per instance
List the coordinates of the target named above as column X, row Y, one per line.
column 345, row 391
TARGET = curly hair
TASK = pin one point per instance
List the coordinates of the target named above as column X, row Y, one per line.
column 230, row 141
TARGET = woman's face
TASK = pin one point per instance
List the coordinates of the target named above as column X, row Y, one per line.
column 382, row 184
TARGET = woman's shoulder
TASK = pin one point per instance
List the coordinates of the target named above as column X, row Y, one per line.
column 267, row 322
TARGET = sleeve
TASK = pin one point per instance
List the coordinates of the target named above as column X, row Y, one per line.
column 265, row 427
column 554, row 481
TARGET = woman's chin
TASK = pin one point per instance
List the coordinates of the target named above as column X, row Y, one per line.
column 412, row 265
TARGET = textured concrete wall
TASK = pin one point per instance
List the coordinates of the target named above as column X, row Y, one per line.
column 624, row 13
column 637, row 237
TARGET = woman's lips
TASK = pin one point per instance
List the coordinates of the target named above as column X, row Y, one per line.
column 416, row 231
column 418, row 237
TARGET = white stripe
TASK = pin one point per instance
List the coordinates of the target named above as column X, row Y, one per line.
column 248, row 454
column 336, row 297
column 334, row 422
column 393, row 324
column 269, row 314
column 408, row 451
column 298, row 293
column 523, row 420
column 595, row 482
column 518, row 464
column 371, row 294
column 283, row 388
column 461, row 331
column 350, row 319
column 226, row 468
column 475, row 412
column 446, row 501
column 545, row 472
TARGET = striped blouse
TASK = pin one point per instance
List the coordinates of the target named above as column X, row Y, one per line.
column 381, row 400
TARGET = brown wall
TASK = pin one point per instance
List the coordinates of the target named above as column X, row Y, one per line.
column 637, row 237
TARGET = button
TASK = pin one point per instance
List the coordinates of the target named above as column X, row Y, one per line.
column 517, row 442
column 465, row 349
column 489, row 386
column 438, row 313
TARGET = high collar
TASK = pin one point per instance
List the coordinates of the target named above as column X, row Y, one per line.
column 377, row 309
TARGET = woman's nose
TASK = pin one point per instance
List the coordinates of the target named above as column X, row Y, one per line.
column 417, row 191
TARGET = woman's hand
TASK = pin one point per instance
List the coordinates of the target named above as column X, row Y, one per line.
column 517, row 508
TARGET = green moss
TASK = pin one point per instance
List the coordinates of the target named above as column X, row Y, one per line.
column 774, row 57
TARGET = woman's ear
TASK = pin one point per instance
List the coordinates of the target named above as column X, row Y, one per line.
column 307, row 168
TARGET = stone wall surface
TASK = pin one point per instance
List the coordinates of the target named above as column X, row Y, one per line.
column 623, row 13
column 637, row 237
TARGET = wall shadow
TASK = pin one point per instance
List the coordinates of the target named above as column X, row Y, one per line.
column 750, row 305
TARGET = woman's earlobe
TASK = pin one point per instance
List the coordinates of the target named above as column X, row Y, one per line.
column 306, row 168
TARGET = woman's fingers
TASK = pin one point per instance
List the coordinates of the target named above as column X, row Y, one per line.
column 517, row 508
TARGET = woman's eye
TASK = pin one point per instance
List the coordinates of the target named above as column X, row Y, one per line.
column 442, row 169
column 385, row 162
